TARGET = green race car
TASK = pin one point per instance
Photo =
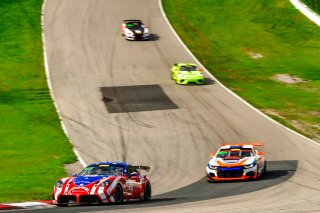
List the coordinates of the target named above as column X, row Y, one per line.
column 184, row 73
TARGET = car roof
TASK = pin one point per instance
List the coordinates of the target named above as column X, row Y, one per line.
column 186, row 64
column 110, row 163
column 132, row 20
column 237, row 147
column 241, row 145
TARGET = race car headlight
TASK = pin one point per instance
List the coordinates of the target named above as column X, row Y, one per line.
column 247, row 166
column 105, row 183
column 146, row 31
column 213, row 167
column 59, row 184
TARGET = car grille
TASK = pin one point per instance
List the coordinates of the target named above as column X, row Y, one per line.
column 89, row 199
column 232, row 172
column 138, row 36
column 83, row 199
column 67, row 199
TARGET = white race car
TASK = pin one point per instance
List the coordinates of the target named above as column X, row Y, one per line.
column 236, row 162
column 134, row 30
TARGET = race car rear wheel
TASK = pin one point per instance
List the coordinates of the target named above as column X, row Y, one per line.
column 147, row 192
column 118, row 196
column 264, row 168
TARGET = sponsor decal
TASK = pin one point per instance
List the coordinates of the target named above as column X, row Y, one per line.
column 231, row 161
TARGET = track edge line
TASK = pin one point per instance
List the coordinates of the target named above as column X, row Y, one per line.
column 46, row 67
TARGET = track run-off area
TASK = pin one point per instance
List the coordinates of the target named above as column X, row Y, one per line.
column 91, row 66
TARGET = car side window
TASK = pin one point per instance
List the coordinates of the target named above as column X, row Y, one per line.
column 132, row 172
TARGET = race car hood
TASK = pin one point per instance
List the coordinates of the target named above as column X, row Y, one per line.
column 231, row 161
column 139, row 30
column 88, row 179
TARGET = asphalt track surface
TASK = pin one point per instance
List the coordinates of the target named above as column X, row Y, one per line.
column 173, row 131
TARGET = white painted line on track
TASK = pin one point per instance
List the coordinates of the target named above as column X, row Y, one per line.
column 305, row 10
column 46, row 66
column 217, row 81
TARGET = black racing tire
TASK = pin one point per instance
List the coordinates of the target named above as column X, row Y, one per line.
column 264, row 168
column 118, row 195
column 147, row 192
column 62, row 205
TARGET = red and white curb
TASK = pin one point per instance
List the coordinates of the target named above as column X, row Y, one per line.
column 27, row 205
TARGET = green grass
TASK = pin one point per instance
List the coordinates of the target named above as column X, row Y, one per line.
column 33, row 147
column 313, row 4
column 222, row 34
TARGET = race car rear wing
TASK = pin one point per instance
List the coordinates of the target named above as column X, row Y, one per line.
column 243, row 144
column 146, row 168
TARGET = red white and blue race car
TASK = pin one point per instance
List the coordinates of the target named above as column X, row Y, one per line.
column 236, row 162
column 104, row 182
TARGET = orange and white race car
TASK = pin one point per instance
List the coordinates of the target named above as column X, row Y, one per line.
column 236, row 162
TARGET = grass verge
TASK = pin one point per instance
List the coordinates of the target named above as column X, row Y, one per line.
column 33, row 145
column 313, row 4
column 251, row 47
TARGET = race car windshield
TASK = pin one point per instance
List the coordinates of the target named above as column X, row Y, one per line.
column 188, row 68
column 102, row 169
column 134, row 25
column 240, row 153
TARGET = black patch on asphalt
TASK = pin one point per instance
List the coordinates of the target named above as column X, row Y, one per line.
column 136, row 98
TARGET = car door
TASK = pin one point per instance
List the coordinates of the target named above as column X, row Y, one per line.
column 137, row 185
column 134, row 182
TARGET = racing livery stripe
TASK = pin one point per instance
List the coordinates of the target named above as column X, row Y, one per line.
column 112, row 186
column 92, row 192
column 102, row 195
column 59, row 190
column 67, row 185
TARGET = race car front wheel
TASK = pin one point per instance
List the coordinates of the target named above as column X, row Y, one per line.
column 118, row 197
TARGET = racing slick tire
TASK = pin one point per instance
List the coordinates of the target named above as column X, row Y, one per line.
column 264, row 168
column 118, row 195
column 62, row 205
column 147, row 192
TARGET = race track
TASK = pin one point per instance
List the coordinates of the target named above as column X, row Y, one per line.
column 98, row 81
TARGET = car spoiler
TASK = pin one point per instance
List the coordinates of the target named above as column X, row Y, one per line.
column 243, row 144
column 131, row 20
column 146, row 168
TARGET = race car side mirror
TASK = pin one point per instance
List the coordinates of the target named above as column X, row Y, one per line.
column 260, row 153
column 211, row 154
column 74, row 175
